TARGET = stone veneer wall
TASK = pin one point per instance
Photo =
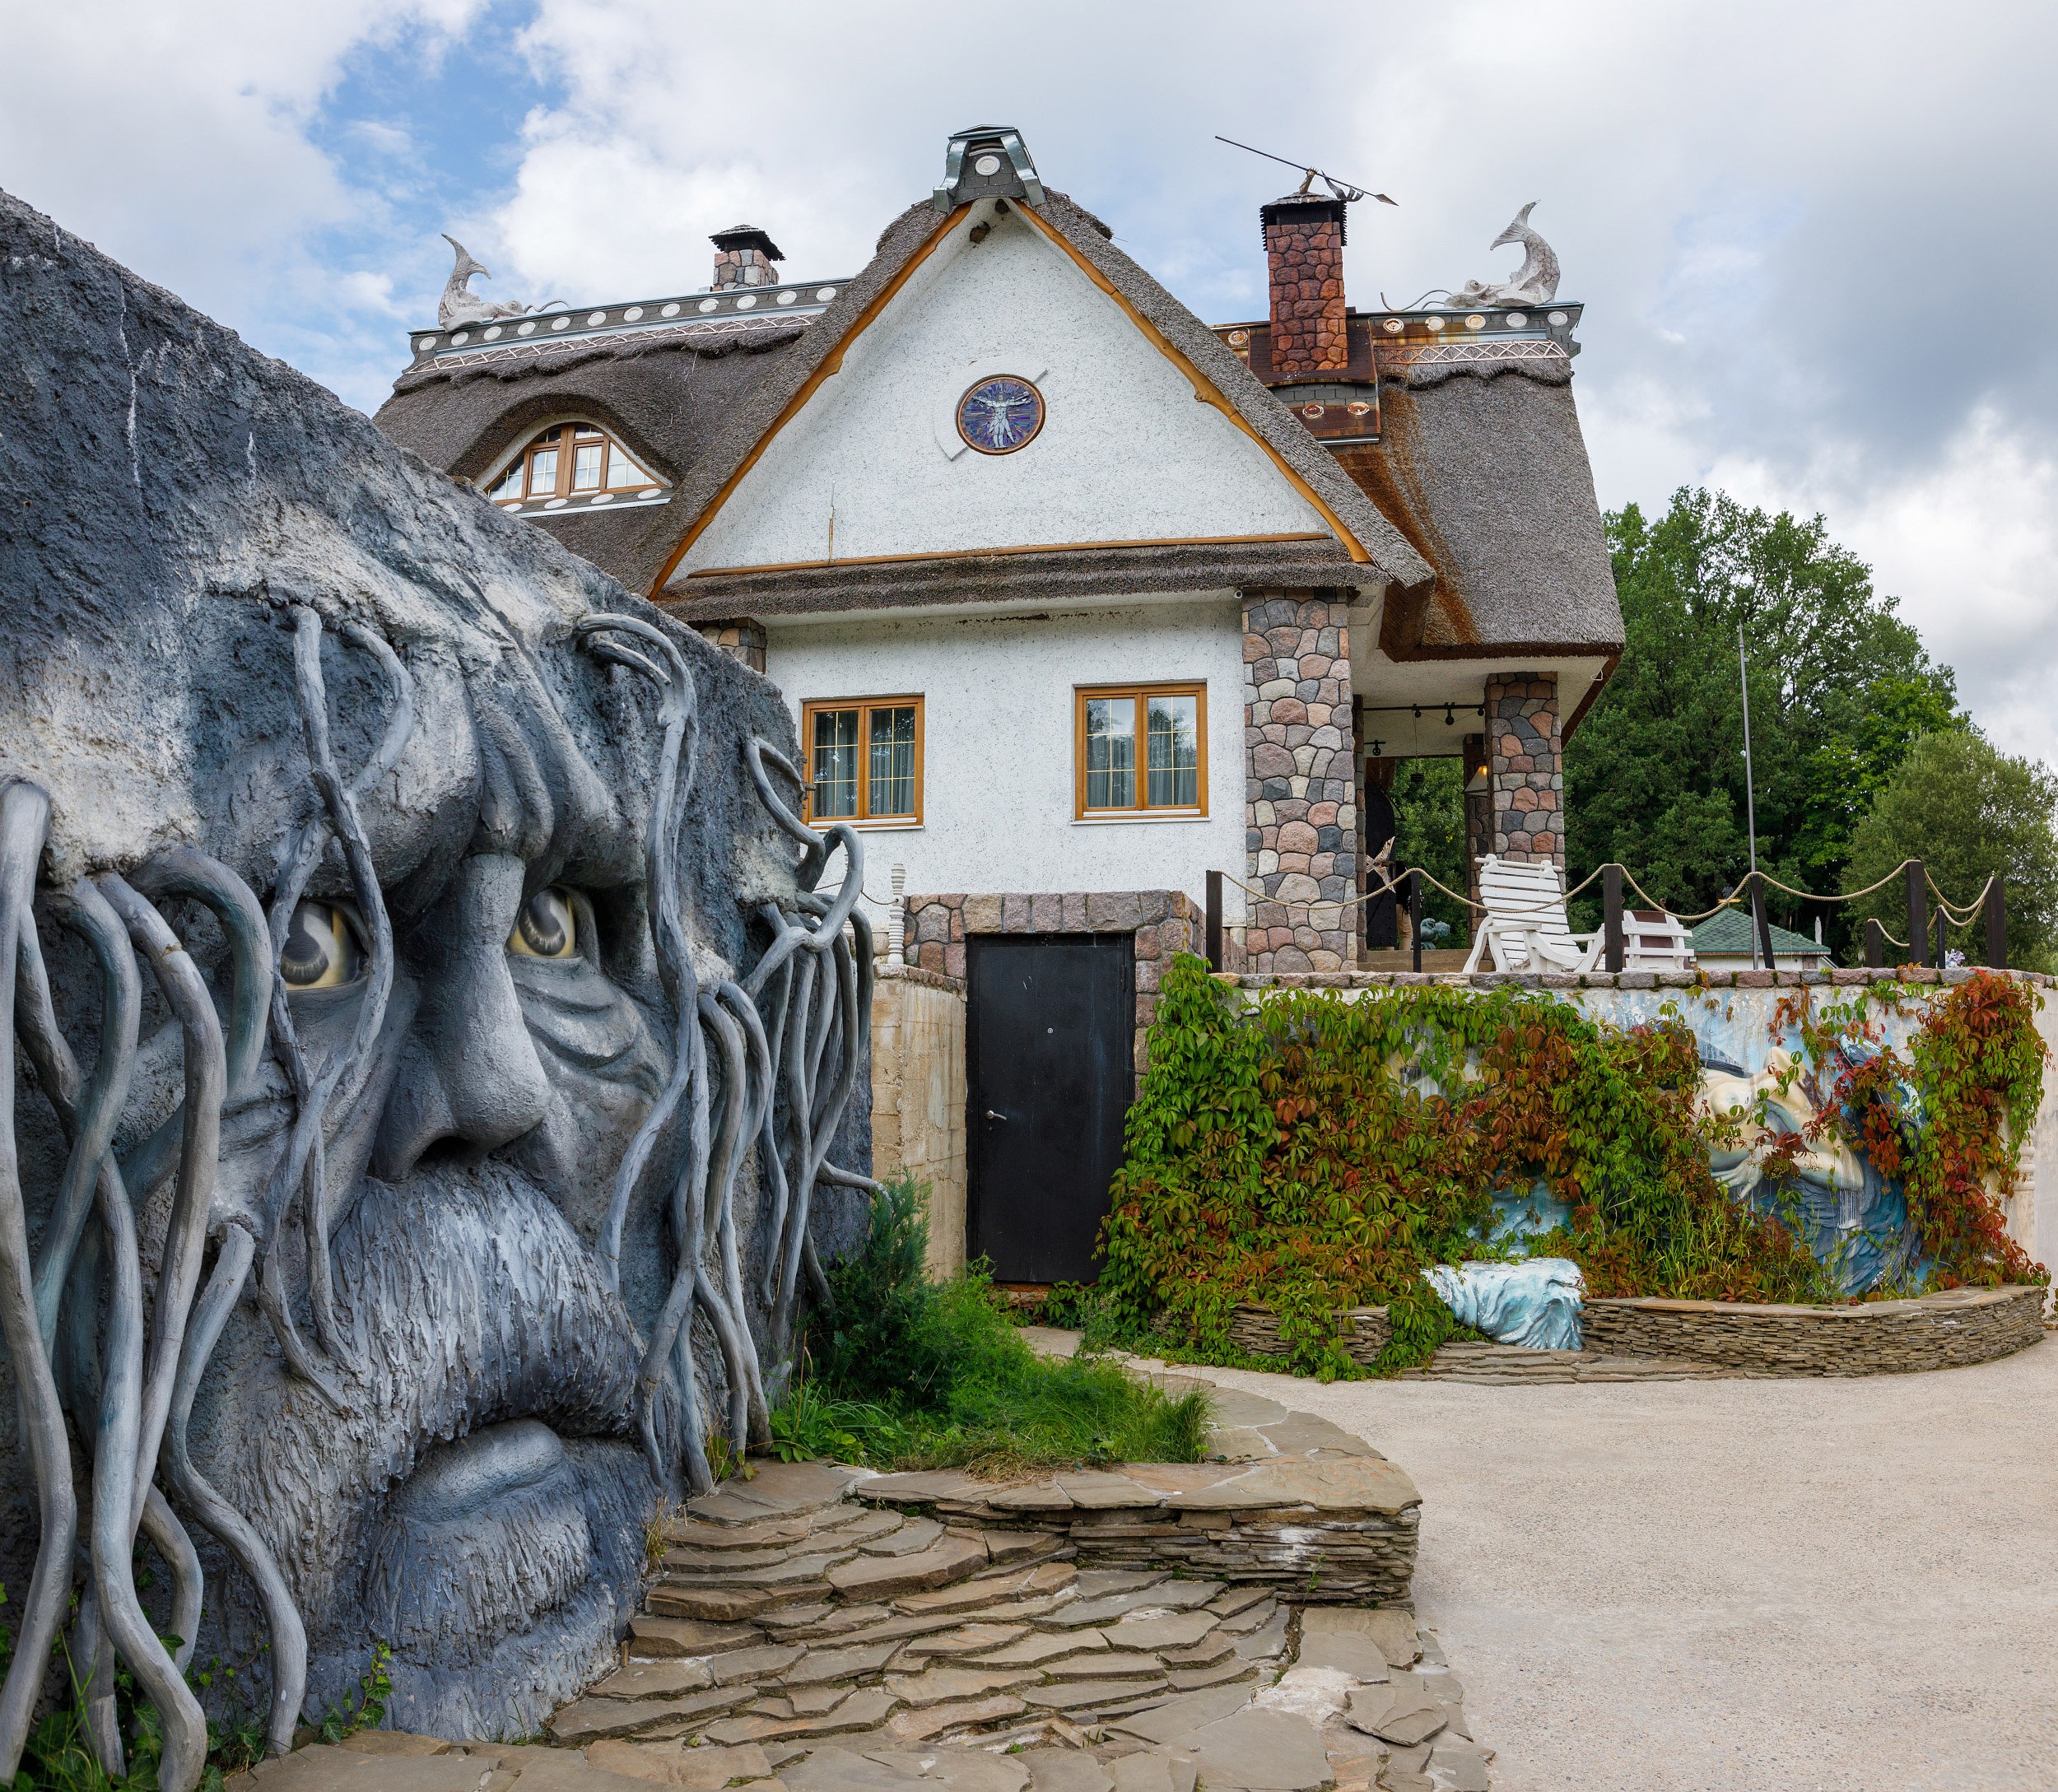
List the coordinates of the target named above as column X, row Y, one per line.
column 1164, row 922
column 1300, row 808
column 918, row 1098
column 1878, row 1338
column 1525, row 771
column 741, row 638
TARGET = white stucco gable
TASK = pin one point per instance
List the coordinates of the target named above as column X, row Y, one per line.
column 870, row 466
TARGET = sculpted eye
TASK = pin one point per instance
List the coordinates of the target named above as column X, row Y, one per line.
column 321, row 952
column 544, row 929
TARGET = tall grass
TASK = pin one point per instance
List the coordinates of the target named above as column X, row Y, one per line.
column 909, row 1373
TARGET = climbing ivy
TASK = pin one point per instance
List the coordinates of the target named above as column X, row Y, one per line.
column 1948, row 1119
column 1314, row 1152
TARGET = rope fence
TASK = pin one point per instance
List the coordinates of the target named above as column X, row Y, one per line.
column 1407, row 883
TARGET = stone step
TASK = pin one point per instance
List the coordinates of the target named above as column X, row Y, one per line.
column 953, row 1557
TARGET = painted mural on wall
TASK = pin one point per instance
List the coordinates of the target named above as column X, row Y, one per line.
column 1793, row 1158
column 432, row 1068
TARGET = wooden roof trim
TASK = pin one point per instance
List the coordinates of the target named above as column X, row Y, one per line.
column 1204, row 389
column 831, row 364
column 983, row 553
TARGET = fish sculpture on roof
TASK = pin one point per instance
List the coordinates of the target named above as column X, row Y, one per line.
column 1535, row 282
column 460, row 305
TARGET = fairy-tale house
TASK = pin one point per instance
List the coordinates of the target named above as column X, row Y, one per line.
column 1077, row 598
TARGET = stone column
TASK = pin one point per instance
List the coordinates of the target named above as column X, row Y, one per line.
column 1301, row 808
column 1526, row 767
column 740, row 637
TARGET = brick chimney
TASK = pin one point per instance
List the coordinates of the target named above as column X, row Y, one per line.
column 743, row 256
column 1304, row 254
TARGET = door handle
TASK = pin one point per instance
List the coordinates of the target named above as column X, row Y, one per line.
column 991, row 1115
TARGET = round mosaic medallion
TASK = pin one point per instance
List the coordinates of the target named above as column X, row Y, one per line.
column 1000, row 415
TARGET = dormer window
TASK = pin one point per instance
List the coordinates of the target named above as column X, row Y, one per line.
column 568, row 461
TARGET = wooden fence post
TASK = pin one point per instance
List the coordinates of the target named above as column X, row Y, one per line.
column 1996, row 926
column 1611, row 915
column 1942, row 952
column 1918, row 911
column 1759, row 921
column 1875, row 945
column 1214, row 920
column 1415, row 912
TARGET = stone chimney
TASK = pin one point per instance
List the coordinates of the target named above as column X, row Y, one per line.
column 743, row 256
column 1304, row 254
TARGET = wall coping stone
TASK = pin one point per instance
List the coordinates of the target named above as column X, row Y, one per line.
column 925, row 979
column 1913, row 975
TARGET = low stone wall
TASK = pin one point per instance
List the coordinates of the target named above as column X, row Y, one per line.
column 1363, row 1331
column 1300, row 1506
column 1939, row 1331
column 918, row 1098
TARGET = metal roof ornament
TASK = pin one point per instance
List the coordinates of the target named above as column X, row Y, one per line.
column 1535, row 282
column 987, row 162
column 460, row 305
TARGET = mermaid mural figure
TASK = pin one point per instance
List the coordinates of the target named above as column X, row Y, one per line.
column 435, row 1060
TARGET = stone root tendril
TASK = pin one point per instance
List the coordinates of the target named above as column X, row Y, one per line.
column 731, row 1066
column 129, row 1381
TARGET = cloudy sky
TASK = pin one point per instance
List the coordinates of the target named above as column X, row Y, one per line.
column 1814, row 239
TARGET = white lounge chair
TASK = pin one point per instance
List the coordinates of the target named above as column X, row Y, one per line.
column 1524, row 925
column 1653, row 940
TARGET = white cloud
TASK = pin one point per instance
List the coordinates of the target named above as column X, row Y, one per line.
column 177, row 137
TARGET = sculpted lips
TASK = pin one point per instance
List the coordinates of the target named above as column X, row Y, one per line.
column 487, row 1535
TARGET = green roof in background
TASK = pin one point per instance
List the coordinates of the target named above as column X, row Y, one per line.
column 1728, row 935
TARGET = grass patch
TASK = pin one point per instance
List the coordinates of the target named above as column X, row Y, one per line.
column 909, row 1373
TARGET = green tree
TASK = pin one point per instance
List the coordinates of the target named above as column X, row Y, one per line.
column 1841, row 687
column 1429, row 831
column 1967, row 810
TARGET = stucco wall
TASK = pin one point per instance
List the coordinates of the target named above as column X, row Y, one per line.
column 918, row 1098
column 998, row 777
column 1125, row 454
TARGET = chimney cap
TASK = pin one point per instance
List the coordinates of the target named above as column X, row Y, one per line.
column 1306, row 208
column 748, row 236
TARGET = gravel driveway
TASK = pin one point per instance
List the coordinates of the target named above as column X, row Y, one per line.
column 1715, row 1586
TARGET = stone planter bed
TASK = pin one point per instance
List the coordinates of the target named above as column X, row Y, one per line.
column 1653, row 1339
column 1876, row 1337
column 1363, row 1330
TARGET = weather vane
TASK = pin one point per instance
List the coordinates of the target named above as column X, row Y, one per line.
column 1343, row 189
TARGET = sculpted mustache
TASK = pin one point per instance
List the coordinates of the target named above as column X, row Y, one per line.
column 472, row 1300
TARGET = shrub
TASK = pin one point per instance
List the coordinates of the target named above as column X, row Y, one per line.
column 909, row 1373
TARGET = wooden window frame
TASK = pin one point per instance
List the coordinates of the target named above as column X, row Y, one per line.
column 864, row 706
column 1194, row 688
column 564, row 437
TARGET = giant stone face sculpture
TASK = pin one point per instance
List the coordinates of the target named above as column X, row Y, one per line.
column 429, row 1040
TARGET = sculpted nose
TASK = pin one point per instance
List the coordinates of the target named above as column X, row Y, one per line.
column 471, row 1074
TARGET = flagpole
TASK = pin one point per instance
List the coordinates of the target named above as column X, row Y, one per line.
column 1750, row 800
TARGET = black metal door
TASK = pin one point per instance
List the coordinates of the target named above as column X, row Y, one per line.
column 1049, row 1032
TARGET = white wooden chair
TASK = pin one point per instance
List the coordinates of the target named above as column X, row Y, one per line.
column 1653, row 940
column 1524, row 925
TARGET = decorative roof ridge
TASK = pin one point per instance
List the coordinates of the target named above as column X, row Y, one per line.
column 711, row 339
